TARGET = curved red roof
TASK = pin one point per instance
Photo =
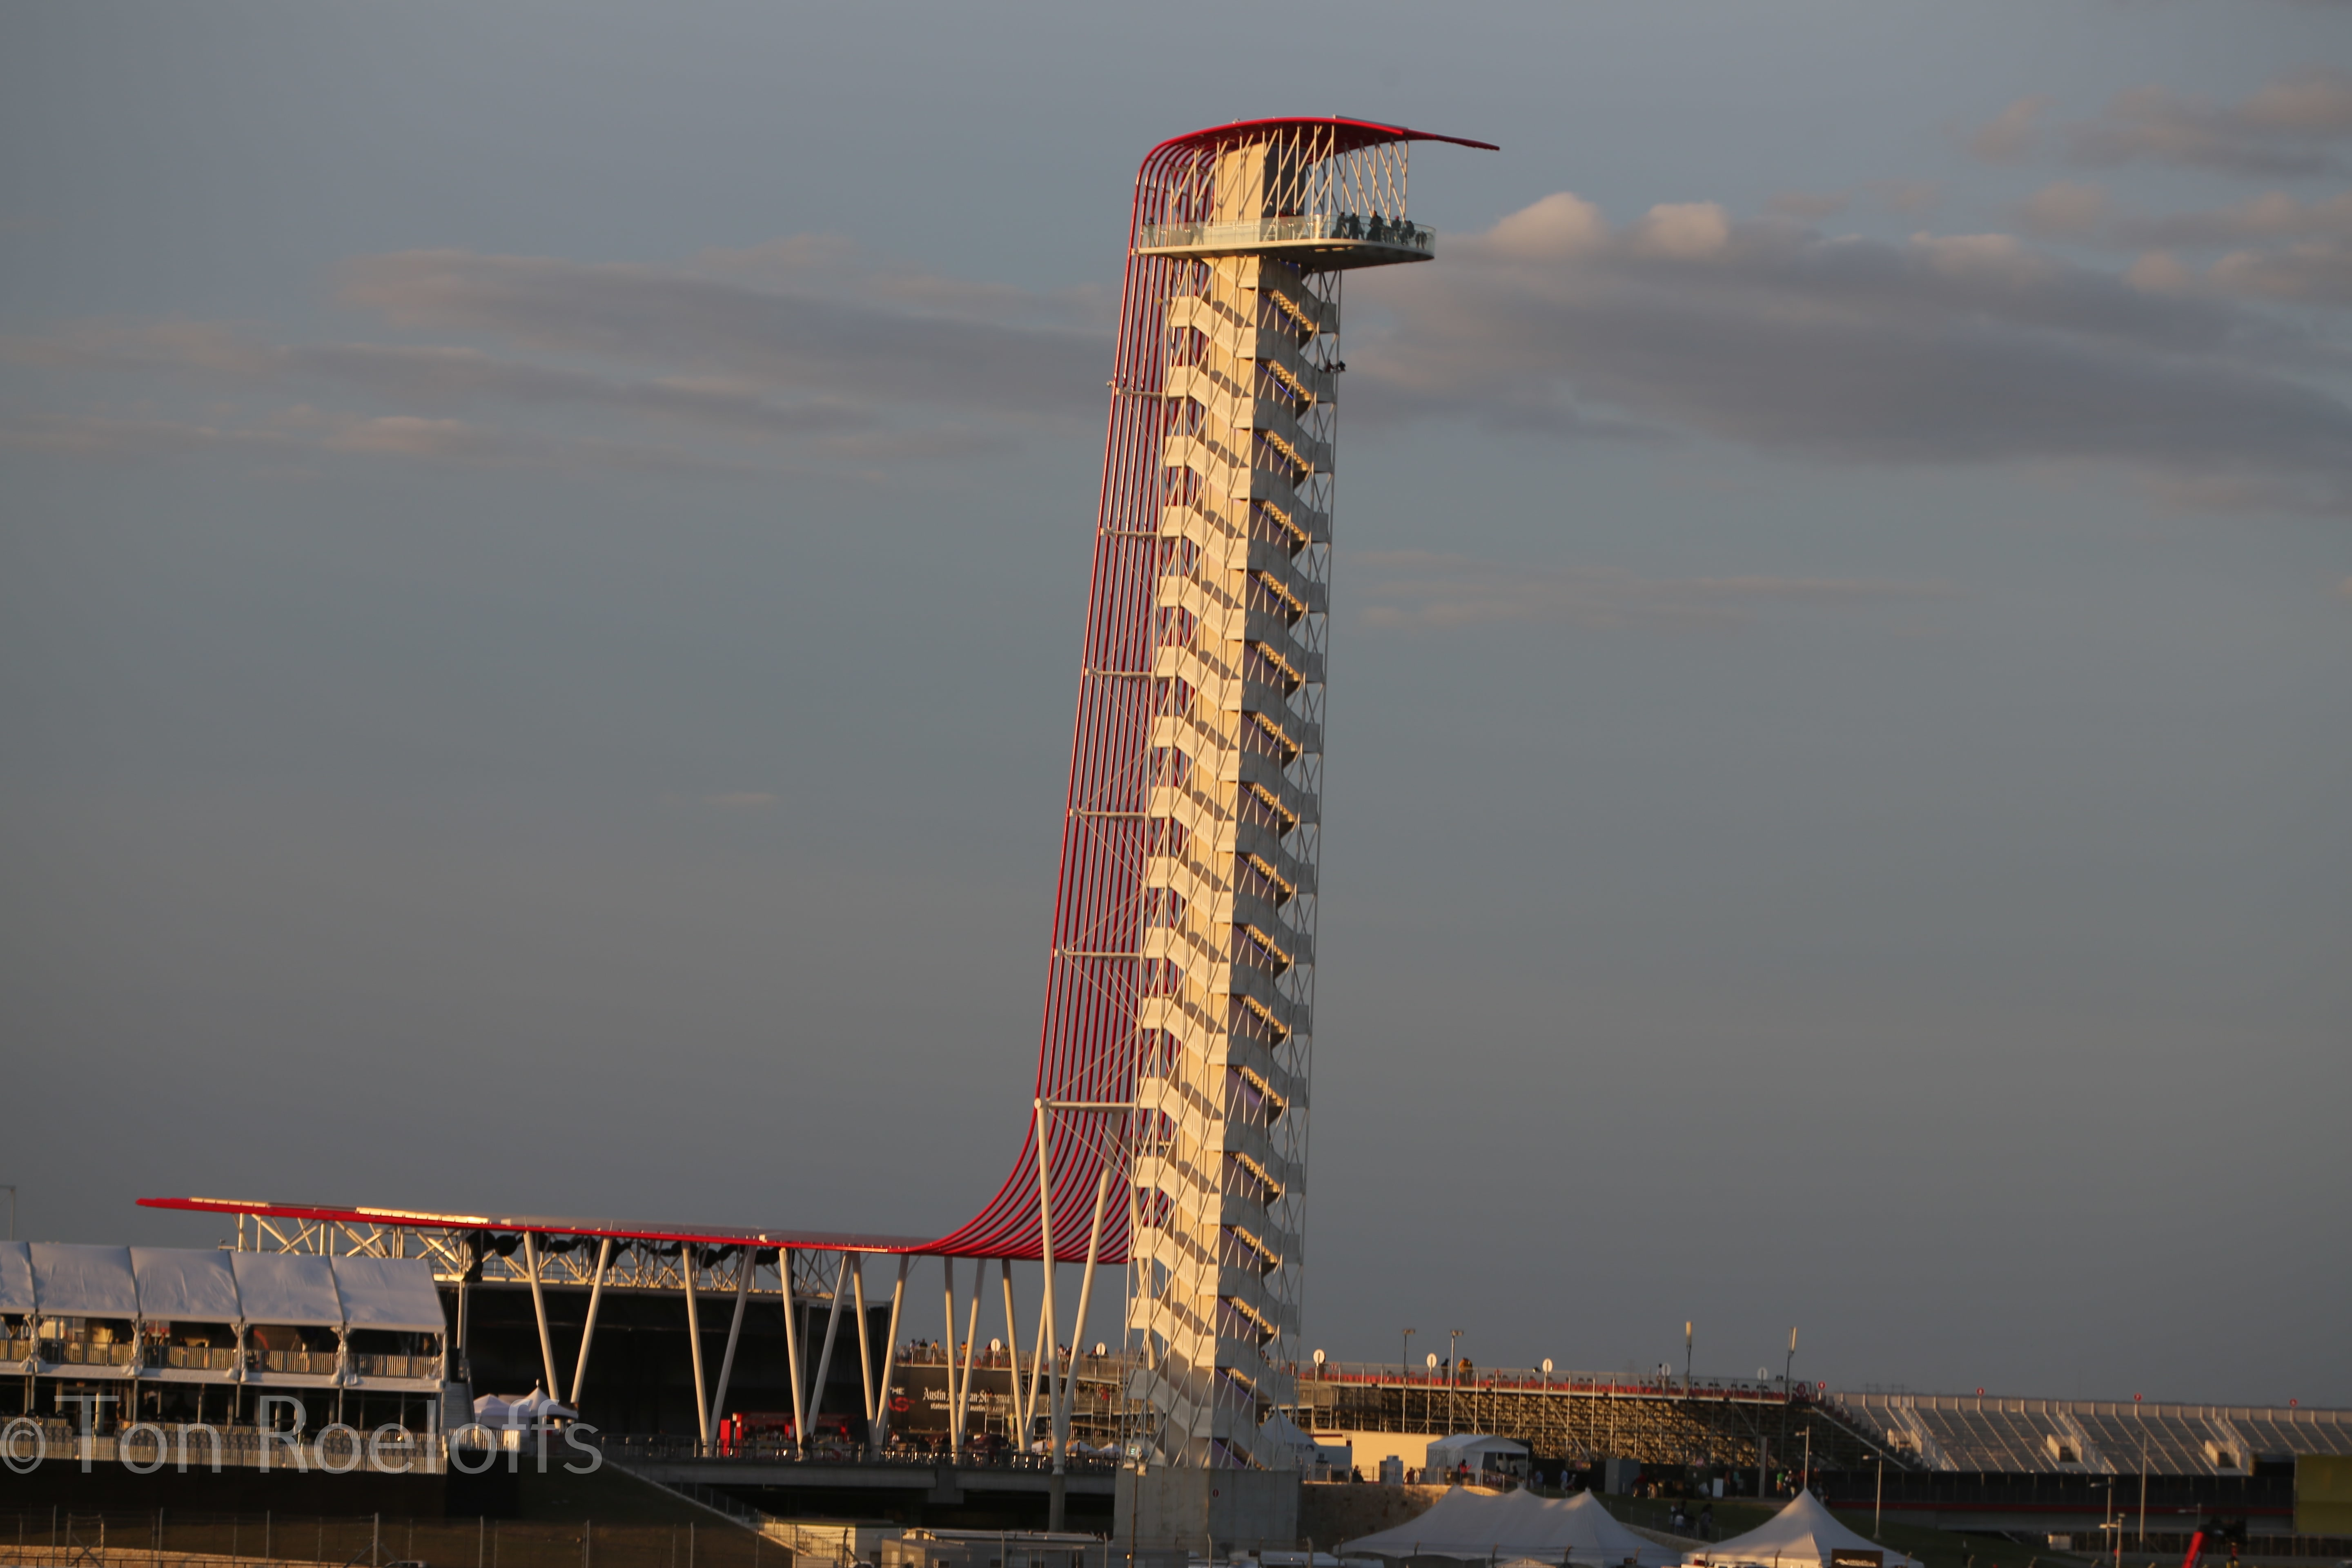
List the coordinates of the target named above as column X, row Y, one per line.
column 1349, row 135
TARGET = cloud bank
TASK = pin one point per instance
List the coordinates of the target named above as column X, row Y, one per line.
column 2297, row 125
column 1961, row 349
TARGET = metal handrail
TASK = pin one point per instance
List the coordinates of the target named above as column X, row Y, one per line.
column 1301, row 228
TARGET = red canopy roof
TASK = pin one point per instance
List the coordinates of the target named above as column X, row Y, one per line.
column 1348, row 135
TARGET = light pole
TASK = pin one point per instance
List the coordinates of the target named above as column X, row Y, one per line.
column 1687, row 1359
column 1453, row 1375
column 1428, row 1398
column 1787, row 1393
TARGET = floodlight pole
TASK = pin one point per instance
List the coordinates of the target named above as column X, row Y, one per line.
column 1404, row 1381
column 1453, row 1375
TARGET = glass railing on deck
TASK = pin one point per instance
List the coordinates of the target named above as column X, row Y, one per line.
column 1306, row 228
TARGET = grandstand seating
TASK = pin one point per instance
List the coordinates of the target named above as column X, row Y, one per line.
column 2026, row 1436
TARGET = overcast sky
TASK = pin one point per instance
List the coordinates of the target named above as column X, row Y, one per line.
column 542, row 550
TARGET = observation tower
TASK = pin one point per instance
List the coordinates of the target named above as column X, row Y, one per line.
column 1168, row 1125
column 1188, row 887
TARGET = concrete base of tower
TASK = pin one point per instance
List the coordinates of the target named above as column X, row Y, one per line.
column 1212, row 1512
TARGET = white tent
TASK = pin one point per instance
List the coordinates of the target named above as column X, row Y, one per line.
column 83, row 1281
column 390, row 1293
column 1484, row 1526
column 15, row 1277
column 1282, row 1436
column 291, row 1287
column 181, row 1284
column 522, row 1410
column 1802, row 1535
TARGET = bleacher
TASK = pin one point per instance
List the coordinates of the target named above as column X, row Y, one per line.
column 2032, row 1436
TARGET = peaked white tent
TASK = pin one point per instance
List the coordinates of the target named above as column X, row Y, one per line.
column 294, row 1288
column 177, row 1283
column 522, row 1410
column 83, row 1281
column 1802, row 1535
column 15, row 1277
column 389, row 1293
column 1282, row 1435
column 1483, row 1527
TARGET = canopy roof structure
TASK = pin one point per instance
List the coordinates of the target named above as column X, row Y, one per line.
column 393, row 1293
column 1485, row 1526
column 83, row 1281
column 167, row 1284
column 664, row 1232
column 15, row 1277
column 179, row 1282
column 1801, row 1535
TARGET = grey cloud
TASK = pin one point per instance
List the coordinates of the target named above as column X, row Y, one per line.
column 2072, row 210
column 2271, row 217
column 1806, row 207
column 1423, row 590
column 705, row 325
column 2287, row 127
column 836, row 267
column 2067, row 210
column 1958, row 349
column 2010, row 136
column 432, row 377
column 2315, row 272
column 302, row 432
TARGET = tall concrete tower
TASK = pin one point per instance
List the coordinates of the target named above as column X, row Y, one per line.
column 1221, row 467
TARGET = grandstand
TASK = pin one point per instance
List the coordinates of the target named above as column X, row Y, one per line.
column 2039, row 1436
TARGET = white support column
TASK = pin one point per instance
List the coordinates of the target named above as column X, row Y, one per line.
column 971, row 1348
column 792, row 1352
column 879, row 1433
column 864, row 1351
column 694, row 1341
column 538, row 1309
column 1012, row 1340
column 955, row 1401
column 832, row 1326
column 1078, row 1328
column 588, row 1334
column 1036, row 1373
column 1045, row 1317
column 727, row 1362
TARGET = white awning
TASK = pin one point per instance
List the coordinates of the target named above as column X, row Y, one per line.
column 291, row 1287
column 15, row 1277
column 1484, row 1527
column 393, row 1293
column 182, row 1283
column 83, row 1281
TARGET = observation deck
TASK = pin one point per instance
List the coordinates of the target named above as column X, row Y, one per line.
column 1317, row 242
